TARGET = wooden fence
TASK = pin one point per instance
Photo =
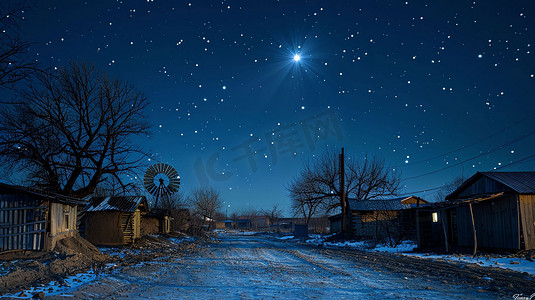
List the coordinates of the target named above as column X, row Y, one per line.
column 22, row 225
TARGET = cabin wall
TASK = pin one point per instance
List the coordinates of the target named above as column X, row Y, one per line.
column 166, row 225
column 150, row 225
column 374, row 224
column 335, row 224
column 527, row 213
column 62, row 223
column 104, row 228
column 430, row 234
column 496, row 223
column 465, row 234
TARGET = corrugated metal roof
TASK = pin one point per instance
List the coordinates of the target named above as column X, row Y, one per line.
column 115, row 203
column 521, row 182
column 380, row 204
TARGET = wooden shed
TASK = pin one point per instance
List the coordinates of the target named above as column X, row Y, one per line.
column 114, row 220
column 494, row 210
column 34, row 220
column 157, row 221
column 377, row 219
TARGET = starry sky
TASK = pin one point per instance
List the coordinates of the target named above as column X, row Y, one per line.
column 438, row 89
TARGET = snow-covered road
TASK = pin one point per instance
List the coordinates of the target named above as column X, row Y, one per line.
column 254, row 267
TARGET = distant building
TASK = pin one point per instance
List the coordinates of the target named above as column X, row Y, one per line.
column 380, row 218
column 494, row 210
column 383, row 218
column 34, row 220
column 157, row 221
column 114, row 220
column 253, row 223
column 315, row 225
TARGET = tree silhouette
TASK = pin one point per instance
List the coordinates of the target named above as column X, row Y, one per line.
column 71, row 130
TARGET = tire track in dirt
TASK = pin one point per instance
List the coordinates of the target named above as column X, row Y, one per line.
column 506, row 282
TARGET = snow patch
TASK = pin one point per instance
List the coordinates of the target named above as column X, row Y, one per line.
column 515, row 264
column 55, row 288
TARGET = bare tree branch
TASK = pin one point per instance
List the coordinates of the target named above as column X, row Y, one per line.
column 205, row 201
column 72, row 130
column 15, row 64
column 316, row 188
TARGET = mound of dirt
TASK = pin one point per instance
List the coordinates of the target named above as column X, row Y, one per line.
column 72, row 255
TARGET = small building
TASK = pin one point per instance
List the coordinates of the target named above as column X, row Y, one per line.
column 253, row 222
column 493, row 210
column 243, row 223
column 288, row 225
column 114, row 220
column 382, row 218
column 157, row 221
column 335, row 224
column 31, row 219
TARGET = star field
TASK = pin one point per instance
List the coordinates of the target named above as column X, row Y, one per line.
column 242, row 92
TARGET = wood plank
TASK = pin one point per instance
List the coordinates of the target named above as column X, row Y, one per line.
column 527, row 214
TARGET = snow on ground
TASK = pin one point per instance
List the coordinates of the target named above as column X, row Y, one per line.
column 252, row 267
column 235, row 232
column 55, row 288
column 119, row 252
column 406, row 247
column 182, row 239
column 515, row 264
column 287, row 237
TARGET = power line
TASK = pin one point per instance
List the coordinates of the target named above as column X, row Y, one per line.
column 423, row 191
column 474, row 157
column 527, row 158
column 472, row 144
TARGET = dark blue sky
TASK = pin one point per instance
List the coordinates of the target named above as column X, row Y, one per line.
column 420, row 83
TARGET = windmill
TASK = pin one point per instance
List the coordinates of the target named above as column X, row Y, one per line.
column 161, row 180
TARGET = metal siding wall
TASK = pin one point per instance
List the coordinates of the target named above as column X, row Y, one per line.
column 527, row 213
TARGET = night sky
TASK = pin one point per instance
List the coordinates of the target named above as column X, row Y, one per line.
column 438, row 90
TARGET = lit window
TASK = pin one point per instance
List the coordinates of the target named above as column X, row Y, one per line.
column 435, row 217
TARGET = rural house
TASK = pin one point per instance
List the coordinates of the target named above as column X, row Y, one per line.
column 114, row 220
column 34, row 220
column 383, row 218
column 489, row 210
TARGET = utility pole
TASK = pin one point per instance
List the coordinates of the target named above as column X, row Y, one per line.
column 343, row 192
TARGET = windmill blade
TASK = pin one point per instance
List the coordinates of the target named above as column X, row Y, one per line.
column 165, row 170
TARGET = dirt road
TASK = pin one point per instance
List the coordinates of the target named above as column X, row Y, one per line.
column 255, row 267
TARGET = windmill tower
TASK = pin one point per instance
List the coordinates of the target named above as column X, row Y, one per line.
column 161, row 180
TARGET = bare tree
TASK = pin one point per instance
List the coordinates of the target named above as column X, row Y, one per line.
column 306, row 202
column 448, row 188
column 249, row 213
column 74, row 129
column 173, row 201
column 273, row 214
column 109, row 186
column 15, row 64
column 205, row 201
column 317, row 186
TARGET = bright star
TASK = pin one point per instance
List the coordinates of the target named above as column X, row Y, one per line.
column 297, row 57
